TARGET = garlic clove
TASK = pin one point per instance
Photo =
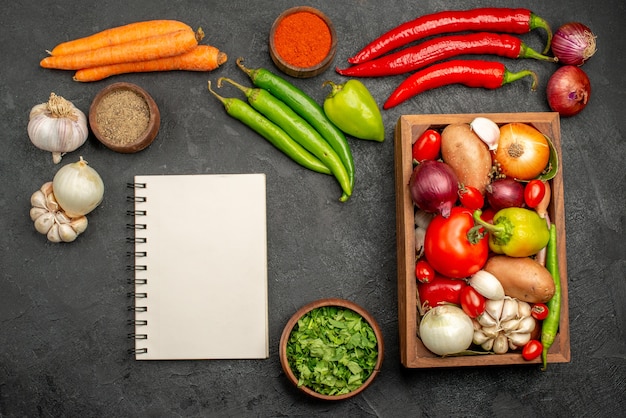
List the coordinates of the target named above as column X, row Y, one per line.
column 79, row 224
column 487, row 130
column 526, row 325
column 491, row 332
column 510, row 309
column 38, row 200
column 487, row 285
column 51, row 202
column 53, row 234
column 422, row 218
column 67, row 233
column 519, row 339
column 500, row 344
column 510, row 325
column 420, row 238
column 480, row 338
column 44, row 222
column 512, row 346
column 61, row 217
column 36, row 212
column 487, row 345
column 494, row 308
column 486, row 320
column 524, row 309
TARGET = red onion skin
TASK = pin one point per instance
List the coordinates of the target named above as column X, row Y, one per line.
column 568, row 90
column 573, row 44
column 434, row 187
column 505, row 193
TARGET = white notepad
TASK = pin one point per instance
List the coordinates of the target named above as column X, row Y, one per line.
column 203, row 291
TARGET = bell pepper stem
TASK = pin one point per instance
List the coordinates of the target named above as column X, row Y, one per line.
column 481, row 228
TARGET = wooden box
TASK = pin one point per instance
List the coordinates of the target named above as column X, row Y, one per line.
column 413, row 354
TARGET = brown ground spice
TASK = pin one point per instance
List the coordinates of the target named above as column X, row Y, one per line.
column 123, row 116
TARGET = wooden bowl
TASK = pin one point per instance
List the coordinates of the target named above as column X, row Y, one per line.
column 124, row 117
column 295, row 70
column 342, row 303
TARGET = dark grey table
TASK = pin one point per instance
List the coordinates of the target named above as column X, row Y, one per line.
column 63, row 331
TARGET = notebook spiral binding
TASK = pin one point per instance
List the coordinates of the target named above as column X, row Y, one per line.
column 136, row 294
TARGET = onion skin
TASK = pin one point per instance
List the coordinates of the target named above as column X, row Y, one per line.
column 573, row 43
column 523, row 152
column 568, row 90
column 433, row 187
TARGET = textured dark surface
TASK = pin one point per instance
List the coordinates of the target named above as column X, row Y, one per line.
column 63, row 307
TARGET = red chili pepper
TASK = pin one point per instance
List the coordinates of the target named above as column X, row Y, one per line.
column 492, row 19
column 437, row 49
column 471, row 73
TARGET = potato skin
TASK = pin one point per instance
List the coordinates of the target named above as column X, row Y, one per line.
column 522, row 278
column 468, row 156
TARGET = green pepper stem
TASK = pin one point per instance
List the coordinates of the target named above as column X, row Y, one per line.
column 510, row 77
column 481, row 228
column 527, row 52
column 246, row 90
column 336, row 88
column 220, row 98
column 538, row 22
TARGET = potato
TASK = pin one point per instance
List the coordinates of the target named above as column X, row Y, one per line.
column 468, row 156
column 522, row 278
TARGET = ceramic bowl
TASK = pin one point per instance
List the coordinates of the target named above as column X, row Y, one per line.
column 341, row 303
column 114, row 117
column 293, row 70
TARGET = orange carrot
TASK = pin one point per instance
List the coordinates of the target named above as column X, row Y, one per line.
column 119, row 35
column 201, row 58
column 145, row 49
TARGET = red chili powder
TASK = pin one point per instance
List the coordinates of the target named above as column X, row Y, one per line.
column 302, row 39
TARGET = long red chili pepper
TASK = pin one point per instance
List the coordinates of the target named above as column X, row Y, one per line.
column 471, row 73
column 437, row 49
column 491, row 19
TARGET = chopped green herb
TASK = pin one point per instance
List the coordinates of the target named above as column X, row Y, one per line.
column 332, row 350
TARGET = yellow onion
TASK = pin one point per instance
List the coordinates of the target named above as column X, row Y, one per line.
column 523, row 152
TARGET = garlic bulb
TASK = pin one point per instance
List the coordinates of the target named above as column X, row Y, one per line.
column 78, row 188
column 505, row 324
column 51, row 220
column 57, row 126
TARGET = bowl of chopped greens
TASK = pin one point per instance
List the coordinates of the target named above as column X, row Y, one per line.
column 331, row 349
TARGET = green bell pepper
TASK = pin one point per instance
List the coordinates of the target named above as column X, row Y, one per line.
column 352, row 109
column 516, row 232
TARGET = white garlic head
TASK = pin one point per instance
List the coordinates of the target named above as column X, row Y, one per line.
column 50, row 219
column 57, row 126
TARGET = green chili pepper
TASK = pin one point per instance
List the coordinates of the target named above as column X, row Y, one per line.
column 516, row 232
column 308, row 109
column 297, row 128
column 352, row 108
column 243, row 112
column 550, row 325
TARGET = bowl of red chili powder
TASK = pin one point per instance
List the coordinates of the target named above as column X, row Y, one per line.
column 303, row 42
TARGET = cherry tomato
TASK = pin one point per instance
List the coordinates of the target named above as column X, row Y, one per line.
column 448, row 249
column 439, row 291
column 471, row 197
column 427, row 146
column 532, row 350
column 488, row 214
column 539, row 311
column 424, row 272
column 472, row 302
column 534, row 192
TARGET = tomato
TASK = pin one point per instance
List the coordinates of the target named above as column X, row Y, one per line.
column 448, row 249
column 471, row 197
column 539, row 311
column 532, row 350
column 427, row 146
column 472, row 302
column 424, row 272
column 439, row 291
column 488, row 214
column 534, row 192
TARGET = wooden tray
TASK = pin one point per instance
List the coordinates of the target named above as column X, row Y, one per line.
column 413, row 354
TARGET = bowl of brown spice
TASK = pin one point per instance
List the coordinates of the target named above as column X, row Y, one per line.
column 303, row 42
column 124, row 117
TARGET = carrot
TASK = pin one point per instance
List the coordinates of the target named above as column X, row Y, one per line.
column 119, row 35
column 151, row 48
column 201, row 58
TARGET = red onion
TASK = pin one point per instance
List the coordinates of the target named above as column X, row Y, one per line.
column 568, row 90
column 505, row 193
column 573, row 43
column 434, row 186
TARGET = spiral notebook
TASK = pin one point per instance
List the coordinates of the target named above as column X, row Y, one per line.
column 200, row 267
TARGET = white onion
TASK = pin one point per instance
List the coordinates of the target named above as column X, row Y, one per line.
column 78, row 188
column 446, row 330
